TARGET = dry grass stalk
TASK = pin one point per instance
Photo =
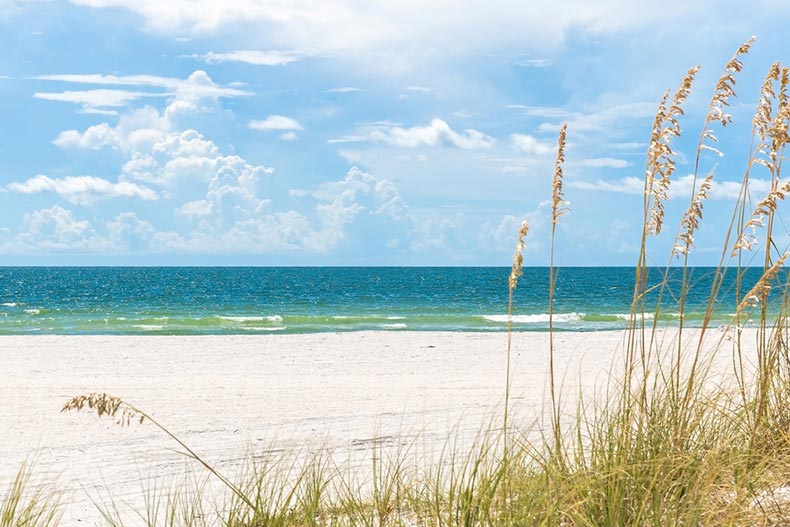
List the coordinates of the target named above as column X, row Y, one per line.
column 559, row 206
column 660, row 157
column 518, row 259
column 104, row 404
column 759, row 292
column 747, row 239
column 725, row 88
column 774, row 128
column 691, row 219
column 762, row 116
column 771, row 130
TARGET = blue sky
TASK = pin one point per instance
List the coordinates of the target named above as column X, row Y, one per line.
column 349, row 132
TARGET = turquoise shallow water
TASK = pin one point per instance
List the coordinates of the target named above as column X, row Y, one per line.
column 215, row 300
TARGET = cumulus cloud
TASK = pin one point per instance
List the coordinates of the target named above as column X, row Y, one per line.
column 187, row 157
column 82, row 190
column 275, row 122
column 94, row 137
column 56, row 229
column 249, row 56
column 437, row 133
column 158, row 153
column 232, row 217
column 529, row 145
column 222, row 202
column 128, row 233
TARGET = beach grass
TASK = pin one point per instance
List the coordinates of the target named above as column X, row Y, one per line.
column 666, row 442
column 27, row 503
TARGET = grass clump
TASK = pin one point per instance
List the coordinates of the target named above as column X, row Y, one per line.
column 668, row 442
column 27, row 505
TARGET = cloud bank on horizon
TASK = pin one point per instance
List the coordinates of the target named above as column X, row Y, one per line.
column 342, row 132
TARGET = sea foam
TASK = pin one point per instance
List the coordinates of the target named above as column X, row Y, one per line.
column 271, row 318
column 535, row 319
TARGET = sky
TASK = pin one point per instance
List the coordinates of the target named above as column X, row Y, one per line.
column 360, row 132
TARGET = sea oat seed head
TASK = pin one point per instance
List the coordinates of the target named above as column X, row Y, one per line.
column 559, row 205
column 762, row 288
column 691, row 219
column 518, row 259
column 104, row 404
column 762, row 116
column 660, row 157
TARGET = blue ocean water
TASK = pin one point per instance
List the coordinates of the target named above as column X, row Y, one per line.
column 215, row 300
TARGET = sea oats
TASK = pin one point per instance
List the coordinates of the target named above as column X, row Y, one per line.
column 660, row 157
column 691, row 219
column 766, row 207
column 725, row 87
column 762, row 116
column 518, row 259
column 104, row 404
column 559, row 206
column 762, row 288
column 774, row 134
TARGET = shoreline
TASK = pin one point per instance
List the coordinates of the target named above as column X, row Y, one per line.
column 226, row 395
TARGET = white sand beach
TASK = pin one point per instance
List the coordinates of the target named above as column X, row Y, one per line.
column 224, row 395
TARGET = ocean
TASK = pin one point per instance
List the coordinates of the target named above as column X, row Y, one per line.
column 261, row 300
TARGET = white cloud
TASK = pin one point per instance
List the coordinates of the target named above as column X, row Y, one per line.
column 528, row 144
column 186, row 156
column 128, row 233
column 91, row 99
column 604, row 162
column 195, row 209
column 158, row 152
column 680, row 188
column 275, row 122
column 627, row 185
column 89, row 110
column 233, row 218
column 198, row 84
column 83, row 190
column 608, row 118
column 94, row 137
column 547, row 112
column 435, row 134
column 346, row 194
column 629, row 146
column 289, row 136
column 351, row 27
column 249, row 56
column 56, row 229
column 344, row 89
column 435, row 235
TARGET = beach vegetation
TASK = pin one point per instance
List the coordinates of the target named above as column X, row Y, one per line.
column 667, row 440
column 28, row 503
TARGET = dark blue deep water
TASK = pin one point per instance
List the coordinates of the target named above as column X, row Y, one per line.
column 215, row 300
